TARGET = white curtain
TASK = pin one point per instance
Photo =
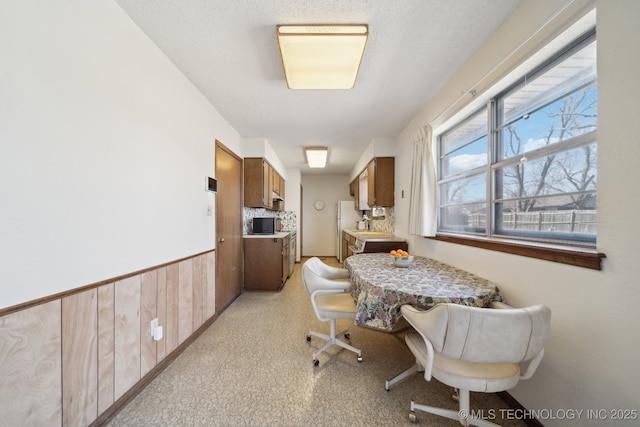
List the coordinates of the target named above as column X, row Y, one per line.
column 423, row 201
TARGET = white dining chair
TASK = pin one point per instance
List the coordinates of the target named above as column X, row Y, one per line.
column 474, row 349
column 329, row 289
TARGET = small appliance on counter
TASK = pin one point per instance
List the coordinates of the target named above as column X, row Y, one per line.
column 266, row 225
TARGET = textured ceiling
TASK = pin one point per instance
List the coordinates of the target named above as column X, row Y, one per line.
column 228, row 50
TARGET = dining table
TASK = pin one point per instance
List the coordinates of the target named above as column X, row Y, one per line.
column 380, row 288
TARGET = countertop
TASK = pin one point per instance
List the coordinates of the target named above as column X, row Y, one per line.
column 372, row 236
column 277, row 235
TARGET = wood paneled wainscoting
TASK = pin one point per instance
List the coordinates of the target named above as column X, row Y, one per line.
column 74, row 359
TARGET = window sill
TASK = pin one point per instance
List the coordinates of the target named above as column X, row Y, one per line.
column 573, row 255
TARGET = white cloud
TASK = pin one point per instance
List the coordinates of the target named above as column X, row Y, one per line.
column 465, row 162
column 534, row 144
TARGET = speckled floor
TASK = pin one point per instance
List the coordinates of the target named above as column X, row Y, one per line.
column 253, row 367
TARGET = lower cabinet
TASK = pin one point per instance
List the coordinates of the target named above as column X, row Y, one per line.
column 265, row 263
column 347, row 240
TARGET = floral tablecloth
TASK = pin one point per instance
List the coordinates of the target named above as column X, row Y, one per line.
column 380, row 288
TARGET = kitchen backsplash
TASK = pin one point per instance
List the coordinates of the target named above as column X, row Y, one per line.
column 289, row 219
column 386, row 225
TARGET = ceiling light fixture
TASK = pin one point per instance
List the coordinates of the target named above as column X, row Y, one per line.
column 321, row 56
column 316, row 156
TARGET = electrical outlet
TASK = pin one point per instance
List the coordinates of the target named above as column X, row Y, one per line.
column 154, row 324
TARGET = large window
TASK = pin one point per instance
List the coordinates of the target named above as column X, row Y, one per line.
column 524, row 166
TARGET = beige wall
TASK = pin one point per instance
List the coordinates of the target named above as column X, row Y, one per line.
column 319, row 227
column 591, row 355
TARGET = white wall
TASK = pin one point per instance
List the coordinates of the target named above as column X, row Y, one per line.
column 319, row 227
column 591, row 357
column 260, row 147
column 104, row 149
column 292, row 201
column 379, row 147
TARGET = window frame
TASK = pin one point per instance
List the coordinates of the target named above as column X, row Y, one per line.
column 578, row 252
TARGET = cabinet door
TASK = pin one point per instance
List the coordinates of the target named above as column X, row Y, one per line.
column 353, row 191
column 381, row 181
column 345, row 247
column 253, row 183
column 285, row 259
column 275, row 182
column 281, row 186
column 363, row 190
column 263, row 264
column 267, row 185
column 371, row 183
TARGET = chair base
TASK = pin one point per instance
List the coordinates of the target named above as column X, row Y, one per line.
column 402, row 375
column 462, row 415
column 333, row 339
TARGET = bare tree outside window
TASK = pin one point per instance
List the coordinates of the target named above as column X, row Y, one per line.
column 535, row 174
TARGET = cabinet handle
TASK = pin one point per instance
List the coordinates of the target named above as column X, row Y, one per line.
column 221, row 240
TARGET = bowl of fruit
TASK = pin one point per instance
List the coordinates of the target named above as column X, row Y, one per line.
column 401, row 258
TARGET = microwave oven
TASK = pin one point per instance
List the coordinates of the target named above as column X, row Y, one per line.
column 268, row 225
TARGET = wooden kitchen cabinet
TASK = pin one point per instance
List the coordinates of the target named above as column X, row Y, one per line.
column 353, row 188
column 354, row 191
column 265, row 263
column 278, row 190
column 278, row 183
column 261, row 181
column 375, row 185
column 381, row 182
column 347, row 240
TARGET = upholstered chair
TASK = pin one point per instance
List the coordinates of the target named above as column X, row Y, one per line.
column 474, row 349
column 329, row 289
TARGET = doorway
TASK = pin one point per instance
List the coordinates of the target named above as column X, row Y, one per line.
column 229, row 253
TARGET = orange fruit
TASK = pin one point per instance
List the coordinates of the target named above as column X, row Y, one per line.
column 393, row 253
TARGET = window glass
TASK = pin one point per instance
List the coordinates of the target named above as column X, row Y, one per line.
column 466, row 158
column 465, row 147
column 559, row 78
column 571, row 171
column 464, row 204
column 572, row 115
column 551, row 221
column 469, row 130
column 526, row 165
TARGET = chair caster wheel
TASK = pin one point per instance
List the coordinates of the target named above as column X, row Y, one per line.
column 347, row 336
column 316, row 362
column 308, row 338
column 412, row 417
column 359, row 359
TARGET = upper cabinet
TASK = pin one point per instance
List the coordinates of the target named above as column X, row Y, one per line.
column 263, row 186
column 375, row 185
column 381, row 181
column 278, row 184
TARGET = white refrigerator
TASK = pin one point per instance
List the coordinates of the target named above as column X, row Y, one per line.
column 346, row 217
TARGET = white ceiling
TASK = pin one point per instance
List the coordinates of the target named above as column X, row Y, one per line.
column 228, row 50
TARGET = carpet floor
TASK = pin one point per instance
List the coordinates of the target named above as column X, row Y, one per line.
column 253, row 367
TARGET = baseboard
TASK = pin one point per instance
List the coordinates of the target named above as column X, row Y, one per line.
column 516, row 406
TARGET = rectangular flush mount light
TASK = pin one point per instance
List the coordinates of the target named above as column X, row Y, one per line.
column 316, row 156
column 321, row 56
